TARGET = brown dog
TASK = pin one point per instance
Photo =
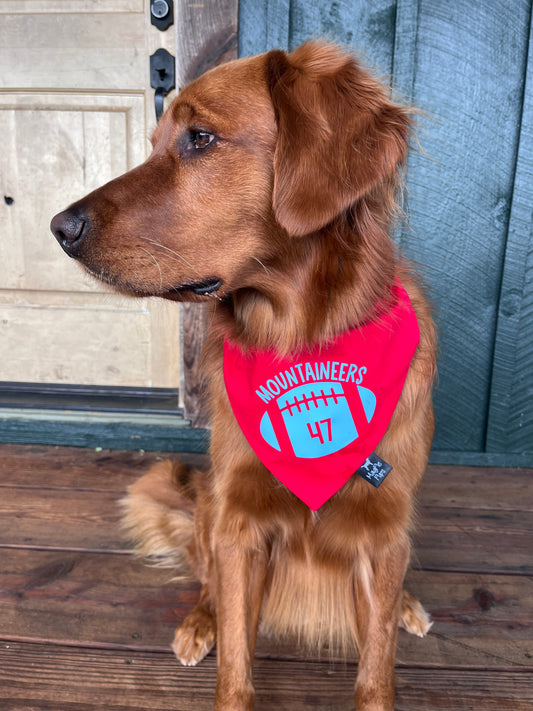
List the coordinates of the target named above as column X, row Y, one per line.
column 271, row 192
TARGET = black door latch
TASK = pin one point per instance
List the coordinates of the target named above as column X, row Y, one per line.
column 162, row 77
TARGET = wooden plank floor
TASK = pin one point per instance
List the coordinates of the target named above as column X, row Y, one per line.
column 83, row 625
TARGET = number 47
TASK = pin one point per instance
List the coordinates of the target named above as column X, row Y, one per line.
column 316, row 430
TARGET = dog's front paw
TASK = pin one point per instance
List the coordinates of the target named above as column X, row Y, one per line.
column 194, row 638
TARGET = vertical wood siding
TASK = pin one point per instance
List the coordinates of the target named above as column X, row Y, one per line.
column 510, row 424
column 466, row 71
column 469, row 197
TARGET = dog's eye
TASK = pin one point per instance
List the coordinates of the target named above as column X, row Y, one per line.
column 194, row 141
column 200, row 140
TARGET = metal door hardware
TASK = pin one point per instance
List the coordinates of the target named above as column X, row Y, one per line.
column 162, row 77
column 162, row 13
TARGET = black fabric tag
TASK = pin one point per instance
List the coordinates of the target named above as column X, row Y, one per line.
column 374, row 470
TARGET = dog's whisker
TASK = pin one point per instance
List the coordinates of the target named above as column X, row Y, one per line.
column 261, row 263
column 183, row 260
column 177, row 254
column 157, row 265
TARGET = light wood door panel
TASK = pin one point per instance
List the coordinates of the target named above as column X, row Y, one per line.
column 75, row 111
column 50, row 136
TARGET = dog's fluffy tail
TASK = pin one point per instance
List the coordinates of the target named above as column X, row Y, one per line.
column 158, row 516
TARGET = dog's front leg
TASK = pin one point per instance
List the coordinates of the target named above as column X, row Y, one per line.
column 378, row 604
column 240, row 570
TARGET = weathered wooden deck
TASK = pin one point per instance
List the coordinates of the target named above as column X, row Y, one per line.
column 85, row 626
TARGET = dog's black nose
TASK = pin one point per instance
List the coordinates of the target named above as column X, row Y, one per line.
column 70, row 228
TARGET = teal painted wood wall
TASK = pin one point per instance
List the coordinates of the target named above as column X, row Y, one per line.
column 469, row 66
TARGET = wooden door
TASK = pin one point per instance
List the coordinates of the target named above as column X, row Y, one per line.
column 76, row 109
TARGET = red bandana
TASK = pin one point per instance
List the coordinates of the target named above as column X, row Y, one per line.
column 313, row 419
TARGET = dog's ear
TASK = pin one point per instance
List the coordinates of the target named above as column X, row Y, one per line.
column 338, row 135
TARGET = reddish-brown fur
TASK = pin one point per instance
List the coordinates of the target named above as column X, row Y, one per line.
column 290, row 207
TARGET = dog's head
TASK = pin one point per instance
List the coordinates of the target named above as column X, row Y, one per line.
column 251, row 155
